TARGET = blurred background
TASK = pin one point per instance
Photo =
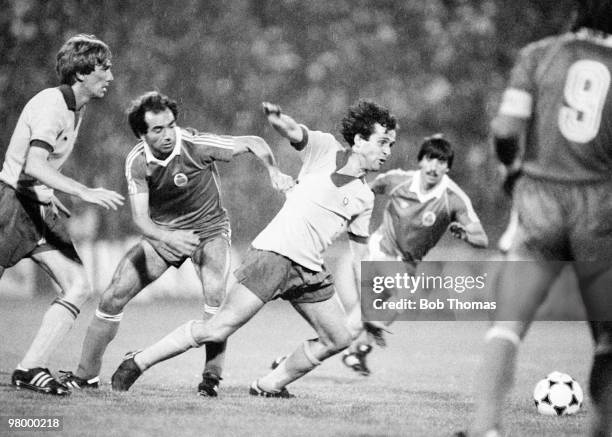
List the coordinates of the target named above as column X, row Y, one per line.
column 439, row 65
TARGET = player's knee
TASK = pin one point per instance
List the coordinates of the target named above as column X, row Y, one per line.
column 112, row 302
column 78, row 289
column 209, row 332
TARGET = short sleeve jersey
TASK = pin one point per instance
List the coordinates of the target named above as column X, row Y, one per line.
column 569, row 104
column 321, row 206
column 183, row 188
column 50, row 116
column 413, row 222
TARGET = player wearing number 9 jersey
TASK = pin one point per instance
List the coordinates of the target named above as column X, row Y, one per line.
column 559, row 101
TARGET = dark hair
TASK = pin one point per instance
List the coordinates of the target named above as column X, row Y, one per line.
column 436, row 147
column 594, row 14
column 80, row 54
column 361, row 119
column 152, row 101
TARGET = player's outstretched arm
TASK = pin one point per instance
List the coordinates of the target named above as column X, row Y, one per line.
column 258, row 147
column 471, row 232
column 38, row 167
column 508, row 134
column 181, row 242
column 282, row 123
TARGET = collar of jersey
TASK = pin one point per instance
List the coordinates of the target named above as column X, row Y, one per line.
column 597, row 37
column 435, row 193
column 69, row 97
column 177, row 150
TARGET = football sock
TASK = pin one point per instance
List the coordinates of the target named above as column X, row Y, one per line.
column 101, row 331
column 299, row 363
column 495, row 378
column 56, row 323
column 175, row 343
column 215, row 352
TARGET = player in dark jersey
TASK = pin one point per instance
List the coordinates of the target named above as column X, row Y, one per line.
column 423, row 205
column 559, row 97
column 176, row 206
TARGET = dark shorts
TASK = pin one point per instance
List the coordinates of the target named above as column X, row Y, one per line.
column 220, row 231
column 270, row 276
column 28, row 227
column 565, row 222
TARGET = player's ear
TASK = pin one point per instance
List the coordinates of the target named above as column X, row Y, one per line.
column 357, row 140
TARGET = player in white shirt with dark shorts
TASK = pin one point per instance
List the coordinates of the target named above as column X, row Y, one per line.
column 285, row 260
column 32, row 219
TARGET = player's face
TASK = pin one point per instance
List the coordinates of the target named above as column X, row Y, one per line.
column 161, row 135
column 432, row 171
column 97, row 82
column 376, row 149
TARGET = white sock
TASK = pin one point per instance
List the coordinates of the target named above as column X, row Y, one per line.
column 56, row 323
column 175, row 343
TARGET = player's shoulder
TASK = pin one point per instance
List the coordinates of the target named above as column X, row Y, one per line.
column 455, row 192
column 136, row 157
column 48, row 98
column 397, row 176
column 537, row 48
column 317, row 137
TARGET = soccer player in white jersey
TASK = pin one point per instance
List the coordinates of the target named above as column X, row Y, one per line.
column 422, row 205
column 559, row 99
column 285, row 260
column 176, row 206
column 32, row 219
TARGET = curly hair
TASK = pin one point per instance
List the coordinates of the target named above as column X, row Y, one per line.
column 436, row 147
column 361, row 119
column 153, row 101
column 80, row 54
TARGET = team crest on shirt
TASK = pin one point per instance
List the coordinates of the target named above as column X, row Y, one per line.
column 180, row 179
column 429, row 218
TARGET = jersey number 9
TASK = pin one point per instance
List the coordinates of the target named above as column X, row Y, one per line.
column 585, row 94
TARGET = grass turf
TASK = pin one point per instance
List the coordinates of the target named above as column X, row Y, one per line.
column 421, row 383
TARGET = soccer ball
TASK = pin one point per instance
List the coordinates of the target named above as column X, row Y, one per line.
column 558, row 395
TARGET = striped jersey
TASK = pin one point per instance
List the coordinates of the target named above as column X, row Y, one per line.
column 320, row 207
column 562, row 85
column 183, row 188
column 413, row 222
column 50, row 116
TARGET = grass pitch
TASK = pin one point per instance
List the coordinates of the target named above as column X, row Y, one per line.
column 421, row 383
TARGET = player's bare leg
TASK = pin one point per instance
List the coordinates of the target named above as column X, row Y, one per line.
column 32, row 371
column 138, row 268
column 212, row 264
column 59, row 318
column 521, row 288
column 238, row 308
column 328, row 320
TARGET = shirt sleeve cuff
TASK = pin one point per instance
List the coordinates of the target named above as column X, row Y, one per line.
column 304, row 142
column 42, row 144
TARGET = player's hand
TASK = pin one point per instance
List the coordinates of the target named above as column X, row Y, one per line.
column 100, row 196
column 182, row 243
column 458, row 231
column 281, row 181
column 271, row 109
column 59, row 206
